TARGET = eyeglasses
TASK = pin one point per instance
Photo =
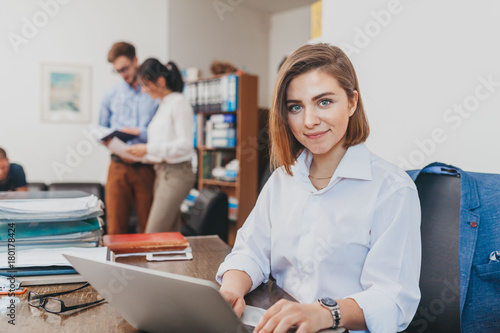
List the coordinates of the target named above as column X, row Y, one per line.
column 122, row 70
column 55, row 305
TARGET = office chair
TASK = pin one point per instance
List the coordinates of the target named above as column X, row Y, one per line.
column 439, row 308
column 209, row 215
column 37, row 187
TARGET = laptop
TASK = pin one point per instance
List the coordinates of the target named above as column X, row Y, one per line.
column 155, row 301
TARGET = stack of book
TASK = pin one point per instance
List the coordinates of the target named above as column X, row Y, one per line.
column 213, row 95
column 34, row 232
column 155, row 246
column 215, row 160
column 220, row 131
column 232, row 208
column 188, row 203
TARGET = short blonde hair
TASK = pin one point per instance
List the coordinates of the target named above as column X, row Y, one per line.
column 327, row 58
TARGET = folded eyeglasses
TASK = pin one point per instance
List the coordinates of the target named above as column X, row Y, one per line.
column 54, row 305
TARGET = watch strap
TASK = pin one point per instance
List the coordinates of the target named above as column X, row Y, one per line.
column 335, row 311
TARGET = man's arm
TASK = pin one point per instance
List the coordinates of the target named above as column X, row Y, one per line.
column 105, row 111
column 19, row 178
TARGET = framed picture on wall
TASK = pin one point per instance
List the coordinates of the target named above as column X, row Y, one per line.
column 65, row 93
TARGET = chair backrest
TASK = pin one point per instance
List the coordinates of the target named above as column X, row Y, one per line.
column 439, row 308
column 209, row 215
column 37, row 187
column 91, row 188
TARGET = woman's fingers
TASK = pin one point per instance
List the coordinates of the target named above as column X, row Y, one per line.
column 285, row 314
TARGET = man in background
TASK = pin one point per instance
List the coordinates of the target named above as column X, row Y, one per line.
column 126, row 108
column 12, row 177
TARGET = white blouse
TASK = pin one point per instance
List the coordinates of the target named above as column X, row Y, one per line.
column 170, row 132
column 357, row 238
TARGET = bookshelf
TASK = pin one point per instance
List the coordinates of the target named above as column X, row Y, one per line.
column 244, row 148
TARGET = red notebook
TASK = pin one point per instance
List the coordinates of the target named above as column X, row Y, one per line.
column 137, row 243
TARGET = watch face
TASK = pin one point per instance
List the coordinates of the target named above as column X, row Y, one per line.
column 328, row 301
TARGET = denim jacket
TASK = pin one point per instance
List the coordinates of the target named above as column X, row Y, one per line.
column 479, row 236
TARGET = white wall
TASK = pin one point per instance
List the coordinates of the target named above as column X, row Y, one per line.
column 289, row 30
column 81, row 32
column 415, row 67
column 199, row 34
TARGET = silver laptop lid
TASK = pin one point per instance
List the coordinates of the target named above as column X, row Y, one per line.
column 155, row 301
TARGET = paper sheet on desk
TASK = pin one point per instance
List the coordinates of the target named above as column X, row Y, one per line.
column 61, row 205
column 252, row 314
column 53, row 257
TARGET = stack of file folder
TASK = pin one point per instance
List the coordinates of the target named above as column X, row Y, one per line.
column 36, row 229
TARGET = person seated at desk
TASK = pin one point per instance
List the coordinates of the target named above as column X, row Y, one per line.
column 335, row 225
column 12, row 177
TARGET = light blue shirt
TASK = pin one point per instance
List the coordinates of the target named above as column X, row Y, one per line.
column 124, row 106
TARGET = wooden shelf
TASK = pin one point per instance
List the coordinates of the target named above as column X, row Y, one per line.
column 216, row 182
column 246, row 150
column 215, row 148
column 207, row 113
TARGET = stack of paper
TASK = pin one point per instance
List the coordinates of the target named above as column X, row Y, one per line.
column 34, row 231
column 50, row 209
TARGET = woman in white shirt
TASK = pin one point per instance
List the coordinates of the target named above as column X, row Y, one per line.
column 336, row 226
column 170, row 144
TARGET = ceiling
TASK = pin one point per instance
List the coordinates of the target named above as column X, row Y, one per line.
column 275, row 6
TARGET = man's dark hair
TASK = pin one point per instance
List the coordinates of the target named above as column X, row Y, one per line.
column 3, row 153
column 121, row 49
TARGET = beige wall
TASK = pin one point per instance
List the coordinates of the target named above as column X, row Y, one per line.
column 422, row 69
column 199, row 34
column 78, row 32
column 288, row 31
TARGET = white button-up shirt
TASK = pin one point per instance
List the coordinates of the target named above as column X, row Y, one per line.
column 357, row 238
column 170, row 133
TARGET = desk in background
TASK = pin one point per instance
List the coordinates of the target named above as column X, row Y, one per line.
column 208, row 253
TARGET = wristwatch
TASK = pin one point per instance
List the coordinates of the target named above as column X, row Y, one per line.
column 331, row 305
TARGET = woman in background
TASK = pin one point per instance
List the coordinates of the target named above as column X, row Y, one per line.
column 335, row 225
column 170, row 144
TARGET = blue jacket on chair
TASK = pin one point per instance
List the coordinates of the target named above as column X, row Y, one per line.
column 479, row 236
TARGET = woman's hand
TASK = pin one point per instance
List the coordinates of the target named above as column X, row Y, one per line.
column 138, row 150
column 131, row 130
column 285, row 314
column 236, row 301
column 235, row 285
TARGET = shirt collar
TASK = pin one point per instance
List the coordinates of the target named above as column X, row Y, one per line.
column 356, row 164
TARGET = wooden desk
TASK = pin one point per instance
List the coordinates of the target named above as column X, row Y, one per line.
column 208, row 253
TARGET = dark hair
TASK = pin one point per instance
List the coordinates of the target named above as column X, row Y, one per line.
column 3, row 153
column 121, row 49
column 327, row 58
column 152, row 69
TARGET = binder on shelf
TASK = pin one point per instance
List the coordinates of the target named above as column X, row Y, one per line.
column 233, row 208
column 223, row 118
column 195, row 128
column 225, row 133
column 232, row 99
column 223, row 142
column 213, row 95
column 216, row 159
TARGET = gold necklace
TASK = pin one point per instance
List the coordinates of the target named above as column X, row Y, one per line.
column 319, row 177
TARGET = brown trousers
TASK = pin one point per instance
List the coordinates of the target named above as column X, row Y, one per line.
column 128, row 183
